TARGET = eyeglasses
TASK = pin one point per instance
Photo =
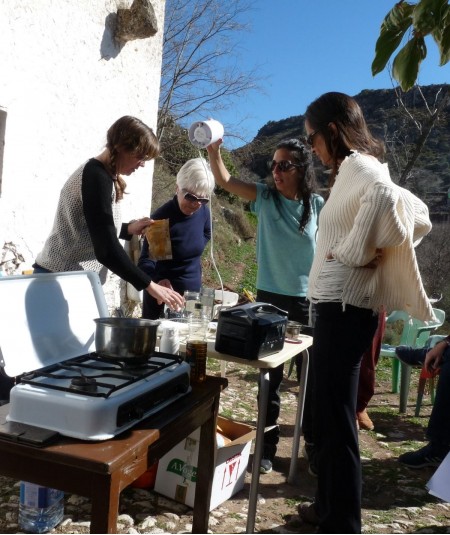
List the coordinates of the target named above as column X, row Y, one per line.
column 310, row 138
column 142, row 157
column 283, row 165
column 193, row 198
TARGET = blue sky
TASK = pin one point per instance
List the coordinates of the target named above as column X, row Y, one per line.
column 306, row 48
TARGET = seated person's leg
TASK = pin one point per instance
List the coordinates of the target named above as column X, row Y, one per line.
column 438, row 432
column 411, row 355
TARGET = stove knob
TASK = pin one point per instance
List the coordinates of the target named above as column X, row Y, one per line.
column 139, row 412
column 182, row 388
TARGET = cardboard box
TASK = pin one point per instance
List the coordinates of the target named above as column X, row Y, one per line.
column 177, row 470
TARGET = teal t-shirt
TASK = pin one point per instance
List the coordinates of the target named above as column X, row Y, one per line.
column 283, row 253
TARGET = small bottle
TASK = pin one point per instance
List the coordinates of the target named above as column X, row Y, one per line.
column 191, row 299
column 198, row 311
column 40, row 508
column 196, row 345
column 170, row 342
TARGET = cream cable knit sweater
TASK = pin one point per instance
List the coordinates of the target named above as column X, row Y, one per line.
column 366, row 211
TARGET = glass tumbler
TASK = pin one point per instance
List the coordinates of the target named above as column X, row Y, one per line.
column 207, row 299
column 197, row 348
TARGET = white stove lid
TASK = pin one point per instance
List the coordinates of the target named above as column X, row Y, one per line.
column 48, row 318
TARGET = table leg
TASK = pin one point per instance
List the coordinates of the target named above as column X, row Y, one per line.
column 259, row 443
column 105, row 503
column 299, row 416
column 205, row 474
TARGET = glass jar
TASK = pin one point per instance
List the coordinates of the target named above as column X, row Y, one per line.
column 197, row 347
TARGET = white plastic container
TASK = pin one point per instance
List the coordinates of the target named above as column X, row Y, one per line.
column 203, row 133
column 40, row 508
column 170, row 342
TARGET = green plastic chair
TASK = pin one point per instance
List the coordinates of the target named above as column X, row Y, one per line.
column 415, row 333
column 424, row 332
column 407, row 338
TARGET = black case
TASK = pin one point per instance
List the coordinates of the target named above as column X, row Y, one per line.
column 251, row 331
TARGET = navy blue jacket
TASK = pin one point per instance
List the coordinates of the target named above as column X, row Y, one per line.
column 189, row 236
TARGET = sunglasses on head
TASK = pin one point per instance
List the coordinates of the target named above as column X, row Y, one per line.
column 310, row 138
column 193, row 198
column 283, row 165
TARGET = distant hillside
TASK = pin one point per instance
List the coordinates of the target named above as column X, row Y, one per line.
column 235, row 228
column 431, row 176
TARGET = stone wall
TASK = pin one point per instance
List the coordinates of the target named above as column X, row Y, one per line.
column 64, row 79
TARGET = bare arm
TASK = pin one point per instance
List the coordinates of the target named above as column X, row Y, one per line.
column 238, row 187
column 165, row 294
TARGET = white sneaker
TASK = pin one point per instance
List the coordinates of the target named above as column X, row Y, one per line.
column 266, row 466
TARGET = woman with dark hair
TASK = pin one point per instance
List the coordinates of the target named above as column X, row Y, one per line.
column 364, row 261
column 288, row 211
column 87, row 225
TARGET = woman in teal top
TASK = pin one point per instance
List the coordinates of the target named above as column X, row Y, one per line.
column 288, row 212
column 284, row 253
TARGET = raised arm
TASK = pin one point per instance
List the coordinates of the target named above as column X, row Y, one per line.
column 246, row 190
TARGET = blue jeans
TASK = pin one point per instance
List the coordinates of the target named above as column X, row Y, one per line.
column 340, row 339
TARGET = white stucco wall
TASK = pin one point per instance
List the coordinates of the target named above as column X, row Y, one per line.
column 63, row 82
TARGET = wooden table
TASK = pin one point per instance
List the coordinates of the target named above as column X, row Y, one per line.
column 264, row 364
column 101, row 470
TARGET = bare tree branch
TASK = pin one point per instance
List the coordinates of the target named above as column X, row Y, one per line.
column 200, row 68
column 424, row 127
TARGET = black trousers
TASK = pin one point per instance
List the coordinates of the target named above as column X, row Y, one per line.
column 438, row 430
column 150, row 308
column 298, row 310
column 340, row 339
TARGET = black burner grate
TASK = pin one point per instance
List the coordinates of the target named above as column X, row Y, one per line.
column 109, row 375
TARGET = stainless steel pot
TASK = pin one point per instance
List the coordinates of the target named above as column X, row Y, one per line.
column 125, row 338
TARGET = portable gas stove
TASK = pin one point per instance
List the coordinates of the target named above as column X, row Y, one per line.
column 94, row 399
column 63, row 388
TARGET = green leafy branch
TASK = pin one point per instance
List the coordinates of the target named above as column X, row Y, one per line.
column 426, row 17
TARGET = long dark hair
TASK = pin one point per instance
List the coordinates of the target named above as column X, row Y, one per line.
column 351, row 131
column 306, row 184
column 132, row 135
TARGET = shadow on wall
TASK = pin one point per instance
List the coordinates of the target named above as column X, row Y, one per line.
column 109, row 48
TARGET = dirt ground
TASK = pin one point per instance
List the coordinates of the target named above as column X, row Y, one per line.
column 395, row 499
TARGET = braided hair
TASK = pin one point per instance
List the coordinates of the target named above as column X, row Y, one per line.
column 306, row 183
column 132, row 135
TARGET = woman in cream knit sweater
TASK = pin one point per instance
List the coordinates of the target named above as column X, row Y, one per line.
column 364, row 260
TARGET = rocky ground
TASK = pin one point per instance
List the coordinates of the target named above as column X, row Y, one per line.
column 395, row 499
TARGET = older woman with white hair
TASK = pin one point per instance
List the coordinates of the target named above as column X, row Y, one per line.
column 190, row 230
